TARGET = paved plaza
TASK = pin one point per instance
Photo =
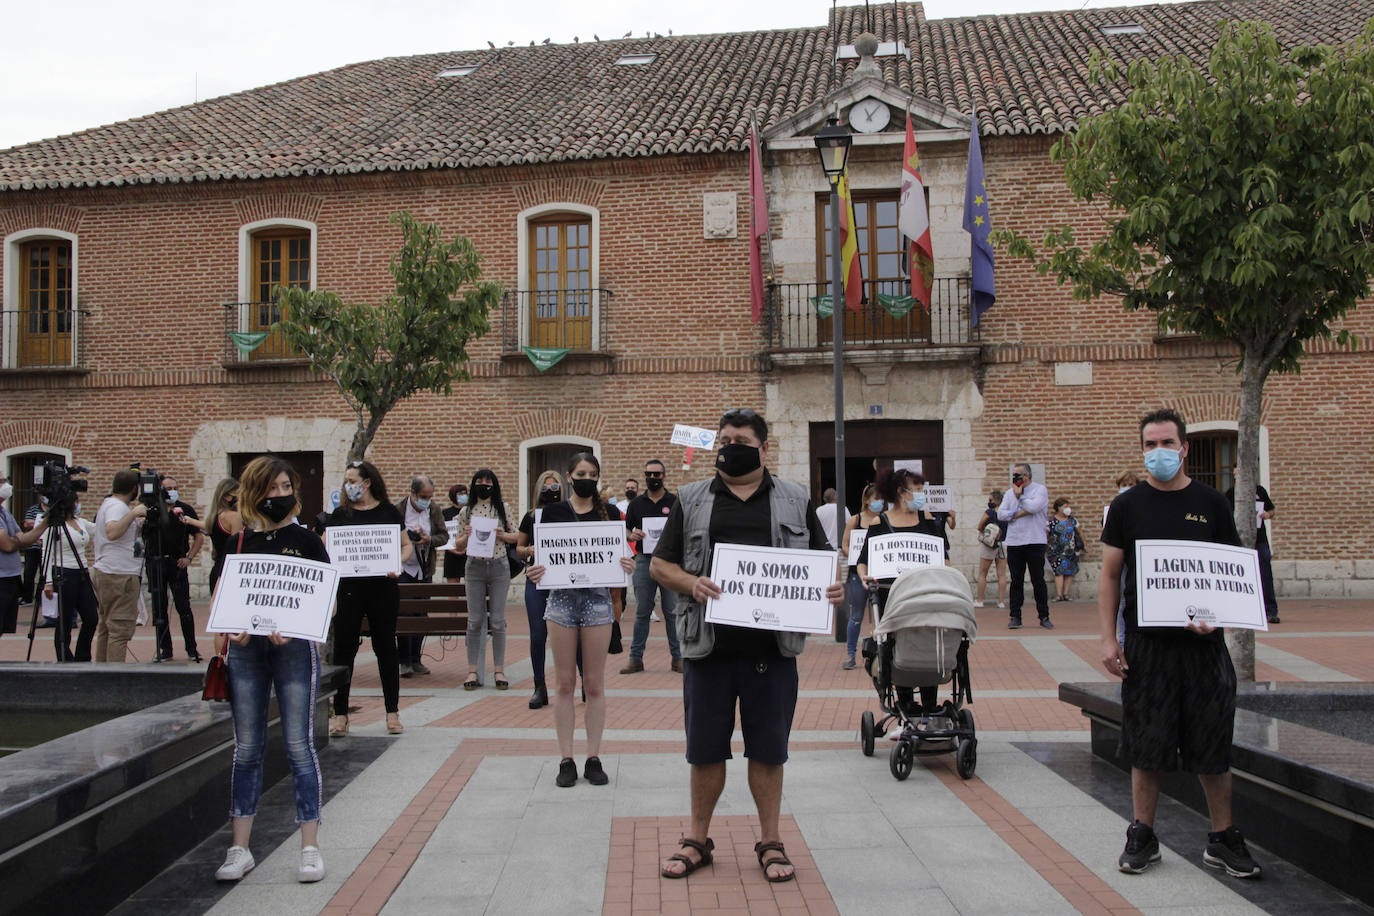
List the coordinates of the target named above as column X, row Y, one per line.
column 461, row 815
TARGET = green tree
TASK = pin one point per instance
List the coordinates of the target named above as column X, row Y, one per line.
column 415, row 341
column 1238, row 205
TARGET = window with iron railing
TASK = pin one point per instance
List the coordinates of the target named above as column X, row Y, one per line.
column 280, row 257
column 46, row 319
column 560, row 283
column 1212, row 459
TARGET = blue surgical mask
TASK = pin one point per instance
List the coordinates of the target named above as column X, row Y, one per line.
column 612, row 501
column 1163, row 463
column 173, row 496
column 917, row 502
column 877, row 506
column 354, row 491
column 421, row 504
column 462, row 499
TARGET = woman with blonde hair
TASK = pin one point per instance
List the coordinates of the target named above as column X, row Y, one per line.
column 259, row 665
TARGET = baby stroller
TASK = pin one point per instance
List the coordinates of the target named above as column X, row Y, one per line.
column 923, row 641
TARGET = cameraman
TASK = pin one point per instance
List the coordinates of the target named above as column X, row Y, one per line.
column 117, row 566
column 13, row 539
column 178, row 545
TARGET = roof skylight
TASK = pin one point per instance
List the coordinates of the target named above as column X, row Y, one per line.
column 636, row 60
column 1122, row 28
column 460, row 70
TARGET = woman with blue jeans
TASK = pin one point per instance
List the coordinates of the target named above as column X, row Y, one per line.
column 550, row 490
column 580, row 617
column 260, row 664
column 855, row 595
column 486, row 579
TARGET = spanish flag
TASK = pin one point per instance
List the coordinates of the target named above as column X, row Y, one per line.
column 849, row 248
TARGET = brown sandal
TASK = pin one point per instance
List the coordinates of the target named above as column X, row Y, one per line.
column 781, row 859
column 690, row 866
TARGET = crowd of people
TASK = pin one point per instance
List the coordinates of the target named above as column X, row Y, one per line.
column 727, row 671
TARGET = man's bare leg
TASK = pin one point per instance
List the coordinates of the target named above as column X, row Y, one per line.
column 765, row 782
column 1217, row 787
column 707, row 782
column 1145, row 794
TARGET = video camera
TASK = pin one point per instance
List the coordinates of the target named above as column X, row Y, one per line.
column 150, row 490
column 56, row 482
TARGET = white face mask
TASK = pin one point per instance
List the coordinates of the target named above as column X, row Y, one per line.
column 6, row 491
column 1067, row 511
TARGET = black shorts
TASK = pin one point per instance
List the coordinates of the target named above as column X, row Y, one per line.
column 766, row 691
column 1178, row 703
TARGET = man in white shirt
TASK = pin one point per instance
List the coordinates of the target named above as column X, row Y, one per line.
column 831, row 519
column 118, row 564
column 1025, row 508
column 425, row 528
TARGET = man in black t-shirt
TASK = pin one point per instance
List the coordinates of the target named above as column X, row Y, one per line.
column 657, row 503
column 1178, row 695
column 1265, row 506
column 179, row 544
column 725, row 666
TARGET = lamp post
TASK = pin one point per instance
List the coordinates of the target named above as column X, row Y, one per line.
column 832, row 142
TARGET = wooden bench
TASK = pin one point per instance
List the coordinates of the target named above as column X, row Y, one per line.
column 443, row 607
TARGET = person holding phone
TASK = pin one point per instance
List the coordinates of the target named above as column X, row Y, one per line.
column 1025, row 509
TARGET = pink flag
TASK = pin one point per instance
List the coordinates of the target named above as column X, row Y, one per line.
column 915, row 222
column 758, row 226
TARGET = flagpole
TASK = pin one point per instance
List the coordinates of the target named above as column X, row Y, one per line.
column 837, row 314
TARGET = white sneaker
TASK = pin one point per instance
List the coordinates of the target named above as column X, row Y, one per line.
column 237, row 863
column 312, row 865
column 653, row 615
column 1002, row 604
column 982, row 603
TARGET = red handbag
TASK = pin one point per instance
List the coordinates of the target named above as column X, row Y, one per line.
column 216, row 685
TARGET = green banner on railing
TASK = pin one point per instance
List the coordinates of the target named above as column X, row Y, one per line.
column 248, row 341
column 823, row 305
column 897, row 306
column 545, row 357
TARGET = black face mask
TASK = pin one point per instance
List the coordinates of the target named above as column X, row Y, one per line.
column 631, row 494
column 550, row 495
column 276, row 508
column 584, row 487
column 737, row 460
column 482, row 490
column 654, row 484
column 992, row 505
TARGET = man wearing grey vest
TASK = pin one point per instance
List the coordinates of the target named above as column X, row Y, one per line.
column 726, row 665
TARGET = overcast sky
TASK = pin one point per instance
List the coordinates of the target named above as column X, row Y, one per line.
column 93, row 62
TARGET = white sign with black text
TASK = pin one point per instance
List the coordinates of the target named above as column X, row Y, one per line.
column 482, row 537
column 939, row 498
column 856, row 543
column 581, row 554
column 364, row 550
column 772, row 588
column 1183, row 582
column 452, row 525
column 264, row 593
column 890, row 555
column 652, row 526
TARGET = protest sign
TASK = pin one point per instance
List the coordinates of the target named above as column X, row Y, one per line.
column 938, row 498
column 856, row 543
column 482, row 537
column 693, row 436
column 364, row 550
column 652, row 526
column 772, row 588
column 1259, row 513
column 890, row 555
column 452, row 525
column 581, row 554
column 263, row 593
column 1182, row 582
column 914, row 465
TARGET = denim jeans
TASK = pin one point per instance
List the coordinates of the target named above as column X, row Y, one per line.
column 535, row 602
column 294, row 670
column 487, row 581
column 645, row 587
column 856, row 596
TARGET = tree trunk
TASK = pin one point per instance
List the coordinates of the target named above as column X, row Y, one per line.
column 362, row 439
column 1252, row 374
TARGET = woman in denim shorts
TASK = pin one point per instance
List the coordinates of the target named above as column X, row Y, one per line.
column 580, row 616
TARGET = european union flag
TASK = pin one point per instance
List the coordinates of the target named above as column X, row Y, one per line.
column 978, row 224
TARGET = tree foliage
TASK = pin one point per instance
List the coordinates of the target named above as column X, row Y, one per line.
column 1239, row 203
column 415, row 341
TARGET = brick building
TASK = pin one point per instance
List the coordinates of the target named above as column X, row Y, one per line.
column 606, row 186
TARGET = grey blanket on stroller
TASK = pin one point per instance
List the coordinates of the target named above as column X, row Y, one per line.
column 928, row 611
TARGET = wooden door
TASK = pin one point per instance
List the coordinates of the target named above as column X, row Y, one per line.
column 45, row 296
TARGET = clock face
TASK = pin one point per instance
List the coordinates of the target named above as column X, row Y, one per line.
column 869, row 115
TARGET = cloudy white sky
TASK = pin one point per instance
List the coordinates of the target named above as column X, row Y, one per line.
column 96, row 62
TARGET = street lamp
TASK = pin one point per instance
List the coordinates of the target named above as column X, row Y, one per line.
column 832, row 143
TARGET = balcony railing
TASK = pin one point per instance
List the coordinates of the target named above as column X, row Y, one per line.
column 249, row 338
column 577, row 319
column 887, row 319
column 42, row 338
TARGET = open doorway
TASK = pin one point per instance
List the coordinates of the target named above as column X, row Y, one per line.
column 549, row 456
column 871, row 447
column 310, row 467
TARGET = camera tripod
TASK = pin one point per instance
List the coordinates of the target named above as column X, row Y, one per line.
column 52, row 552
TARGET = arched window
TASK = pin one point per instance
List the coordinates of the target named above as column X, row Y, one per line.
column 272, row 253
column 560, row 281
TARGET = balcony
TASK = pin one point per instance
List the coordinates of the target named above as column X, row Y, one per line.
column 43, row 340
column 572, row 319
column 887, row 322
column 249, row 339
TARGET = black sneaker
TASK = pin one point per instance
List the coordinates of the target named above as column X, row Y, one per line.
column 1014, row 624
column 1046, row 623
column 594, row 773
column 1274, row 619
column 1227, row 850
column 1142, row 849
column 567, row 773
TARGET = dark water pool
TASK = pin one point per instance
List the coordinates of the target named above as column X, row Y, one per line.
column 20, row 729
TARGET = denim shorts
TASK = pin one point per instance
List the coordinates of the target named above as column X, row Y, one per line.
column 579, row 607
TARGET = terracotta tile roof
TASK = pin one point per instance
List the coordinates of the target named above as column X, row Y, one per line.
column 1024, row 73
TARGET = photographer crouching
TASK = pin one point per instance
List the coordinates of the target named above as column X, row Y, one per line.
column 170, row 546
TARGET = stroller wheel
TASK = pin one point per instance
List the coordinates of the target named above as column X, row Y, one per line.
column 966, row 758
column 866, row 733
column 966, row 721
column 901, row 759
